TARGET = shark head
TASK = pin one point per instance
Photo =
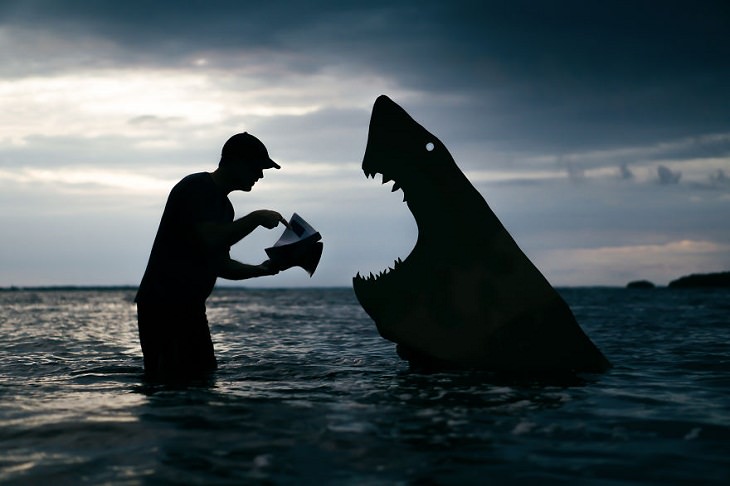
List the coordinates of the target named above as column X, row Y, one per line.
column 403, row 151
column 466, row 295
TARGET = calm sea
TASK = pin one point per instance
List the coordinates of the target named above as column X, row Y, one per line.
column 308, row 393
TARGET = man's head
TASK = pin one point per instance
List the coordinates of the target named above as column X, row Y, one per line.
column 245, row 157
column 247, row 149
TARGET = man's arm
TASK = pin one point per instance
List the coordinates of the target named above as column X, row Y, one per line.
column 216, row 236
column 235, row 270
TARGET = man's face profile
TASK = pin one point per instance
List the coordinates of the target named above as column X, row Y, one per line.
column 248, row 173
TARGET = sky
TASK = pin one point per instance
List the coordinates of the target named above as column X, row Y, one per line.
column 598, row 132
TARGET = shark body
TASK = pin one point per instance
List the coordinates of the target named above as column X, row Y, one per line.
column 466, row 296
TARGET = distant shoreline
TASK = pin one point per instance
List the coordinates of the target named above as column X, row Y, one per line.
column 43, row 288
column 124, row 288
column 702, row 280
column 715, row 280
column 696, row 280
column 133, row 288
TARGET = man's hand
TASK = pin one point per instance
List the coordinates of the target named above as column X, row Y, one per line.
column 235, row 270
column 220, row 236
column 268, row 219
column 269, row 268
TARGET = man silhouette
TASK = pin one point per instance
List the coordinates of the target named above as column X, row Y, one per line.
column 190, row 251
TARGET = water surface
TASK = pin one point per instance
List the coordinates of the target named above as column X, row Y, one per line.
column 308, row 392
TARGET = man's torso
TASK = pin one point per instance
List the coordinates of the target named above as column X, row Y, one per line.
column 180, row 270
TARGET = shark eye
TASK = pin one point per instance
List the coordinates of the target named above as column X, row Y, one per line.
column 430, row 146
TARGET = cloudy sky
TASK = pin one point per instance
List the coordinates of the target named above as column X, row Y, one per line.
column 598, row 132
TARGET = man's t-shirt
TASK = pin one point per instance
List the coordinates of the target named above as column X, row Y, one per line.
column 180, row 270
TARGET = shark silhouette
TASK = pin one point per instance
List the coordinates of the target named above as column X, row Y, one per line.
column 466, row 296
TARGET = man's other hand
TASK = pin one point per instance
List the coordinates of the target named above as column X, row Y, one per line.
column 269, row 268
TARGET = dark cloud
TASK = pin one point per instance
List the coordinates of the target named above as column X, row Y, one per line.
column 719, row 177
column 625, row 173
column 546, row 45
column 718, row 180
column 537, row 77
column 667, row 176
column 575, row 171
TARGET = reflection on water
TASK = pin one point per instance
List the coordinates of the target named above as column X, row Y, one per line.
column 307, row 390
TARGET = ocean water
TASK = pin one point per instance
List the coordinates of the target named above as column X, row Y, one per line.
column 308, row 393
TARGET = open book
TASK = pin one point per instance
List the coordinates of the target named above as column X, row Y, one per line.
column 298, row 246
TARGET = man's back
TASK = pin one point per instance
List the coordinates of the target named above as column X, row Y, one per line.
column 180, row 269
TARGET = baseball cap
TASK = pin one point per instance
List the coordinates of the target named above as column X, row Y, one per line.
column 247, row 148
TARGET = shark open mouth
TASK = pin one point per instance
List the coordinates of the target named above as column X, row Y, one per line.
column 466, row 295
column 397, row 266
column 401, row 151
